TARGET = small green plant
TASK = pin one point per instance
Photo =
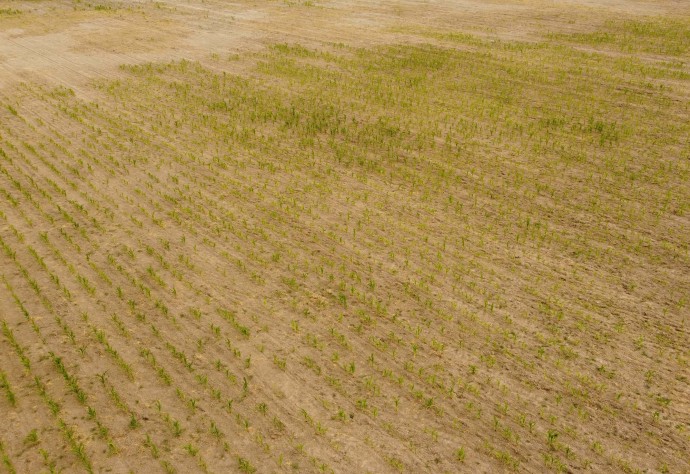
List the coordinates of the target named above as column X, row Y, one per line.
column 31, row 438
column 5, row 385
column 245, row 466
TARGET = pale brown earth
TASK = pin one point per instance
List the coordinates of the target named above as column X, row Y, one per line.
column 345, row 236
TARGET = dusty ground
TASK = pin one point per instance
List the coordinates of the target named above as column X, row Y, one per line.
column 71, row 42
column 345, row 236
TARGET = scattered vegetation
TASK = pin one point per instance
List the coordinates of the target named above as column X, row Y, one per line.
column 427, row 254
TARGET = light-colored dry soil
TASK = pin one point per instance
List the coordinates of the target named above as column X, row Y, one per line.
column 345, row 236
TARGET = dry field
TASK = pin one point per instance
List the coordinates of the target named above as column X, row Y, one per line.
column 345, row 236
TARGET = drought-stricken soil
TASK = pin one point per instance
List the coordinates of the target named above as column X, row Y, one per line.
column 344, row 236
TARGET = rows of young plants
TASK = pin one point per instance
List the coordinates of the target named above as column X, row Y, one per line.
column 419, row 258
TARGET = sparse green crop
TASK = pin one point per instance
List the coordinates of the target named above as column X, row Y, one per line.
column 433, row 250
